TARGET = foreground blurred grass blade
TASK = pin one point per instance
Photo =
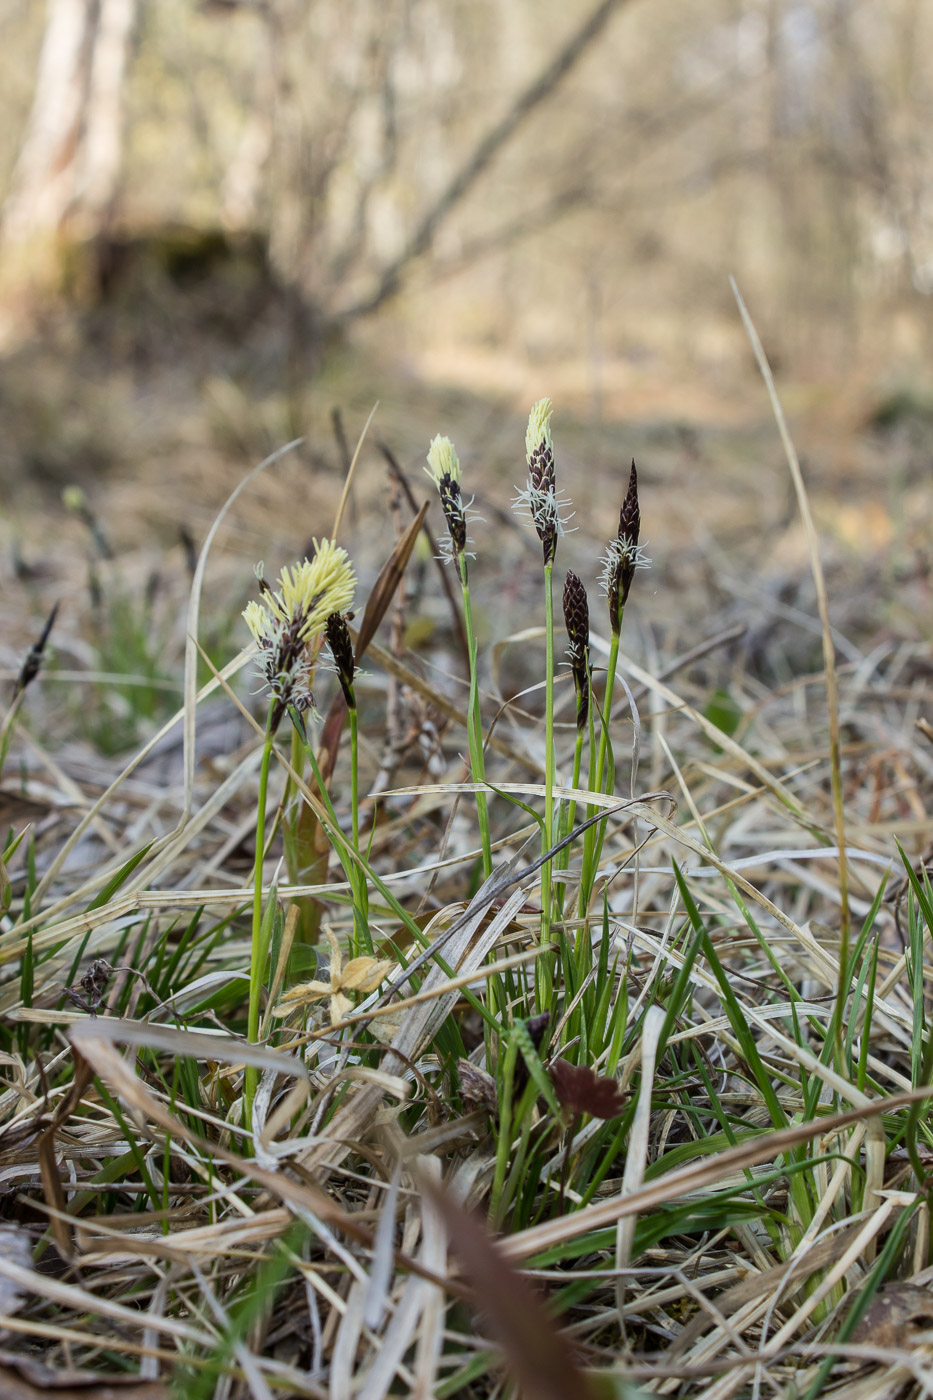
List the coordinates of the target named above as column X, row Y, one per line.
column 537, row 1355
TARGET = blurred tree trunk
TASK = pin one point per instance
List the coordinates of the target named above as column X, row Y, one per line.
column 242, row 184
column 69, row 163
column 103, row 124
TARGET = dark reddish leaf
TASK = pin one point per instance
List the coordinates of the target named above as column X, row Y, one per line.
column 582, row 1090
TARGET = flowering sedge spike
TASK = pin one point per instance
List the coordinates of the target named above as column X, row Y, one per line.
column 30, row 667
column 444, row 470
column 624, row 555
column 286, row 620
column 577, row 622
column 540, row 499
column 341, row 649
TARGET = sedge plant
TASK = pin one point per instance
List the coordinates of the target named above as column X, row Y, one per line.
column 623, row 558
column 542, row 504
column 443, row 468
column 577, row 623
column 286, row 624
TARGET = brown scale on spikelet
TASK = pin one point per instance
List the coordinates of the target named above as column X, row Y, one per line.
column 540, row 500
column 444, row 470
column 577, row 622
column 341, row 649
column 624, row 555
column 30, row 667
column 286, row 620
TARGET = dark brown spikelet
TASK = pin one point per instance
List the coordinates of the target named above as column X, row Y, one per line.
column 452, row 506
column 630, row 515
column 629, row 526
column 30, row 667
column 624, row 553
column 341, row 649
column 577, row 622
column 283, row 665
column 543, row 478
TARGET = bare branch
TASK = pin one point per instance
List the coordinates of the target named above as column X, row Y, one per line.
column 483, row 155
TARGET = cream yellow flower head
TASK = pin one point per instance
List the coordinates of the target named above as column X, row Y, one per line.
column 538, row 432
column 539, row 500
column 285, row 620
column 257, row 619
column 74, row 499
column 311, row 590
column 444, row 470
column 443, row 461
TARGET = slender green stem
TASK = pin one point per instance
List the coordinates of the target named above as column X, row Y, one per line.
column 562, row 859
column 567, row 817
column 504, row 1139
column 6, row 728
column 257, row 960
column 592, row 841
column 569, row 813
column 548, row 836
column 607, row 708
column 498, row 999
column 355, row 775
column 578, row 757
column 474, row 724
column 355, row 874
column 567, row 824
column 300, row 854
column 354, row 860
column 290, row 807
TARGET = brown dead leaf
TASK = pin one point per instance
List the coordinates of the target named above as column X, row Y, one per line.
column 386, row 1028
column 359, row 975
column 48, row 1165
column 897, row 1318
column 477, row 1086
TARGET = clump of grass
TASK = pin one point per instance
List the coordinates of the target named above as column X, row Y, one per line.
column 689, row 1111
column 544, row 506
